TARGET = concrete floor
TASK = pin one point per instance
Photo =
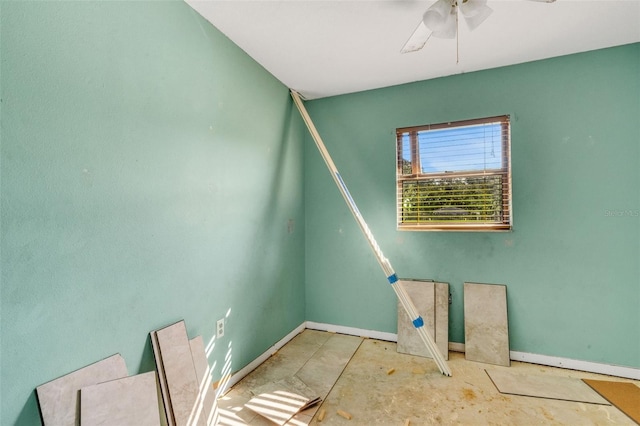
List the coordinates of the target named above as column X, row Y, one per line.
column 369, row 380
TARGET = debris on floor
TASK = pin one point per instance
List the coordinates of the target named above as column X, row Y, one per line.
column 345, row 414
column 321, row 414
column 417, row 392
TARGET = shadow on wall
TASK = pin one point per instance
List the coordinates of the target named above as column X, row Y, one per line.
column 269, row 276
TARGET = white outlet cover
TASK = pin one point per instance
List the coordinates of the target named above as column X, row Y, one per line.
column 220, row 328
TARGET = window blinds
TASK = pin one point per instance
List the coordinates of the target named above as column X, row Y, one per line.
column 455, row 175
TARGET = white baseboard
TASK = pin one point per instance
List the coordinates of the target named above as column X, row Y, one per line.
column 352, row 331
column 240, row 374
column 552, row 361
column 576, row 364
column 456, row 347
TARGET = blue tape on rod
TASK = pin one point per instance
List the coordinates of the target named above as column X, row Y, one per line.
column 418, row 322
column 392, row 279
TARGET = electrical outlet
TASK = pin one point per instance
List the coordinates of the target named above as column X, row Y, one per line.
column 220, row 328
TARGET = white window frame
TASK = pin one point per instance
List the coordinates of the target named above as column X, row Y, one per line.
column 416, row 202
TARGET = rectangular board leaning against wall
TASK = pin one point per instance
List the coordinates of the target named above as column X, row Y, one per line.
column 432, row 302
column 486, row 329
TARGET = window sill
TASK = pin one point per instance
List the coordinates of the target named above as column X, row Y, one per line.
column 457, row 227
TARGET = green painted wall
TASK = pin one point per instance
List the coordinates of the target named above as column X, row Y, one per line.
column 151, row 172
column 571, row 262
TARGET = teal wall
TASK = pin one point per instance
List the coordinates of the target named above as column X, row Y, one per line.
column 571, row 262
column 151, row 172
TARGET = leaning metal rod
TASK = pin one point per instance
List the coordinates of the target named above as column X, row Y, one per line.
column 402, row 295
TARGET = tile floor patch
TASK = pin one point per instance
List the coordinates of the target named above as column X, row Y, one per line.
column 289, row 384
column 278, row 406
column 231, row 409
column 540, row 386
column 322, row 370
column 286, row 361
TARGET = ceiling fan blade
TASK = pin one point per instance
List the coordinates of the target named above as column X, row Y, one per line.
column 441, row 20
column 417, row 40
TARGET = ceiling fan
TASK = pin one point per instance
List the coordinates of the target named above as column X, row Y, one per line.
column 441, row 20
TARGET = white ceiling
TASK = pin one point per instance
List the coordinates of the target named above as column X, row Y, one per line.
column 329, row 47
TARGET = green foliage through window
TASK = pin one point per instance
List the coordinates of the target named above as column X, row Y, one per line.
column 472, row 199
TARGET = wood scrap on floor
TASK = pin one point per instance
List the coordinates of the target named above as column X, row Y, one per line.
column 540, row 386
column 623, row 395
column 322, row 414
column 345, row 414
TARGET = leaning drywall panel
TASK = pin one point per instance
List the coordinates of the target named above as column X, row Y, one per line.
column 58, row 399
column 206, row 394
column 180, row 373
column 486, row 330
column 166, row 415
column 432, row 302
column 128, row 401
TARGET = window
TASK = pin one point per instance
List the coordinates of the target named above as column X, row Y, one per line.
column 455, row 176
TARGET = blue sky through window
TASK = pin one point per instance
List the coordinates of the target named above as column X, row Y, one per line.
column 460, row 149
column 406, row 147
